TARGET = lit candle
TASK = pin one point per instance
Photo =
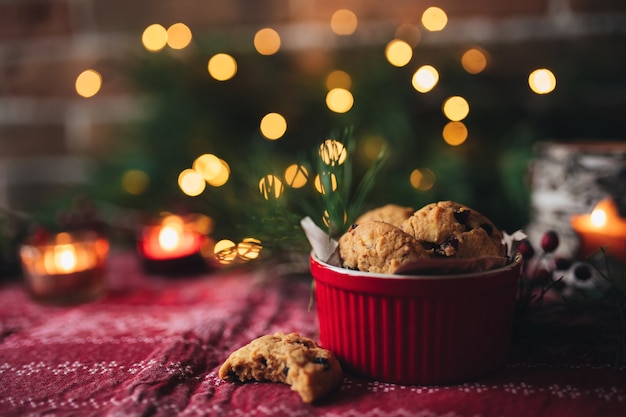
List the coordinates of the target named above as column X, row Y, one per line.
column 172, row 246
column 65, row 268
column 602, row 228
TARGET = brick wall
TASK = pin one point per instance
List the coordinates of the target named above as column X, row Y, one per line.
column 47, row 132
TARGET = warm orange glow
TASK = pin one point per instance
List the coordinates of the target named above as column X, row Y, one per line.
column 339, row 100
column 456, row 108
column 320, row 185
column 474, row 61
column 343, row 22
column 88, row 83
column 271, row 186
column 154, row 38
column 296, row 176
column 267, row 41
column 273, row 126
column 422, row 179
column 455, row 133
column 425, row 78
column 222, row 67
column 338, row 79
column 398, row 53
column 542, row 81
column 191, row 182
column 434, row 19
column 178, row 36
column 333, row 152
column 602, row 228
column 170, row 239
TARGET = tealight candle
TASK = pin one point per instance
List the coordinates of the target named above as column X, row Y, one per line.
column 66, row 268
column 171, row 247
column 602, row 228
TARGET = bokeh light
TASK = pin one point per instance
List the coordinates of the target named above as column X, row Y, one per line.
column 225, row 251
column 339, row 100
column 207, row 165
column 454, row 133
column 474, row 61
column 434, row 19
column 271, row 186
column 338, row 79
column 343, row 22
column 178, row 36
column 249, row 249
column 456, row 108
column 135, row 181
column 154, row 37
column 320, row 180
column 398, row 53
column 409, row 33
column 222, row 176
column 191, row 182
column 267, row 41
column 422, row 179
column 425, row 78
column 296, row 176
column 88, row 83
column 222, row 67
column 542, row 81
column 333, row 152
column 273, row 126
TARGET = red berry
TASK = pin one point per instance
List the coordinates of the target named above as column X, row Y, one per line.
column 549, row 241
column 526, row 249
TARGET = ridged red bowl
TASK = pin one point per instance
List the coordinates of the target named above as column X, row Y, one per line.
column 416, row 329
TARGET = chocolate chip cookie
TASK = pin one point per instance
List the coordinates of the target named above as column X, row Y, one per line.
column 450, row 229
column 376, row 246
column 393, row 214
column 309, row 369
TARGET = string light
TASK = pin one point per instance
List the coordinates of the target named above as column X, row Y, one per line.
column 434, row 19
column 455, row 133
column 339, row 100
column 425, row 78
column 456, row 108
column 398, row 53
column 474, row 61
column 422, row 179
column 88, row 83
column 154, row 37
column 191, row 182
column 542, row 81
column 333, row 152
column 271, row 186
column 320, row 185
column 296, row 176
column 338, row 79
column 222, row 67
column 267, row 41
column 249, row 249
column 273, row 126
column 343, row 22
column 178, row 36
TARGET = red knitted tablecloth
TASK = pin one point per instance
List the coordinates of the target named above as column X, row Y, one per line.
column 152, row 346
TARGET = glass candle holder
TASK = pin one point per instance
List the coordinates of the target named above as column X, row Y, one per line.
column 66, row 268
column 172, row 247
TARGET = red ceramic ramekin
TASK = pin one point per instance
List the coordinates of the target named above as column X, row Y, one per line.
column 416, row 329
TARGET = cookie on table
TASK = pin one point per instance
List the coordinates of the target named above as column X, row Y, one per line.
column 376, row 246
column 391, row 213
column 450, row 229
column 298, row 361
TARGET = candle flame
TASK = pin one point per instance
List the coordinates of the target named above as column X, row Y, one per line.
column 598, row 217
column 65, row 258
column 169, row 237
